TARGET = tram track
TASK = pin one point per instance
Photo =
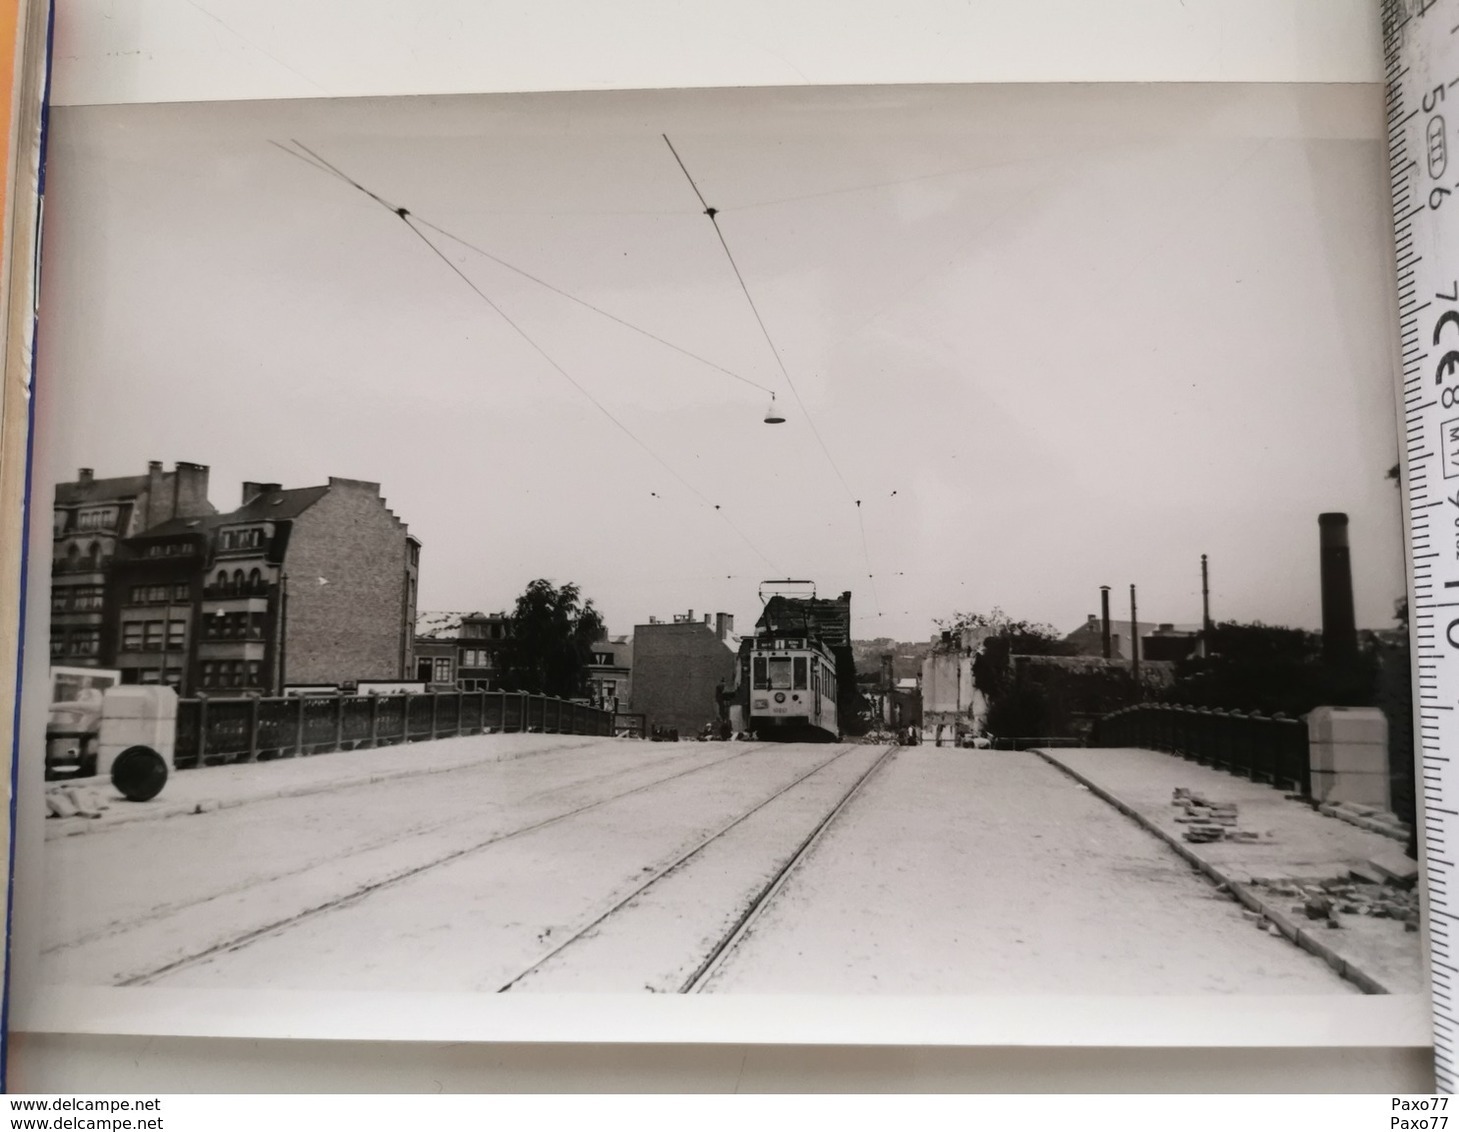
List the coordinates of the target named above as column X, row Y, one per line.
column 759, row 900
column 360, row 892
column 705, row 972
column 413, row 832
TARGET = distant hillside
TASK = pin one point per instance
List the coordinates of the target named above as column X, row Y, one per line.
column 906, row 656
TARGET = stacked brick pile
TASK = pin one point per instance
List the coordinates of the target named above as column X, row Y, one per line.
column 1207, row 820
column 1329, row 900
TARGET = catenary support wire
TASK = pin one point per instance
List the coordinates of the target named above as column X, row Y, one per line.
column 713, row 214
column 314, row 161
column 406, row 217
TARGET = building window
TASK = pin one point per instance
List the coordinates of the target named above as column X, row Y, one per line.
column 255, row 673
column 180, row 592
column 131, row 636
column 242, row 540
column 442, row 673
column 603, row 658
column 96, row 520
column 210, row 674
column 255, row 580
column 85, row 642
column 176, row 634
column 79, row 599
column 58, row 642
column 151, row 635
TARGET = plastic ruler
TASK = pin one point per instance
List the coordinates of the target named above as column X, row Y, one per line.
column 1421, row 60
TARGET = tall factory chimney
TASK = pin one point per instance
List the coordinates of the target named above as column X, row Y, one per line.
column 1104, row 615
column 1339, row 623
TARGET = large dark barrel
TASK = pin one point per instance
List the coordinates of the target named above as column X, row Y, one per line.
column 139, row 773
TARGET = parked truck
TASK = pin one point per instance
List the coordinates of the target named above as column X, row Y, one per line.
column 98, row 727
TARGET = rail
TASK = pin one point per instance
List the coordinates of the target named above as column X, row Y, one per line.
column 246, row 729
column 1263, row 748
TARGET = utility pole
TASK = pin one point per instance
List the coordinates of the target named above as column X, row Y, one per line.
column 1104, row 618
column 1134, row 638
column 283, row 629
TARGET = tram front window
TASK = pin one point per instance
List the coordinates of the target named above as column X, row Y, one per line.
column 802, row 671
column 780, row 672
column 760, row 679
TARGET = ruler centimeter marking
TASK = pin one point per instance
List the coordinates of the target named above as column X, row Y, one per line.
column 1421, row 89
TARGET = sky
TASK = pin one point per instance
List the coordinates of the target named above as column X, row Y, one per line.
column 1049, row 337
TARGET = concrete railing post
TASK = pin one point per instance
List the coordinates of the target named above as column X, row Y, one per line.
column 1348, row 755
column 202, row 729
column 253, row 706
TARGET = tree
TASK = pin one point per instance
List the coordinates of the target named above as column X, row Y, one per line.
column 550, row 635
column 1271, row 668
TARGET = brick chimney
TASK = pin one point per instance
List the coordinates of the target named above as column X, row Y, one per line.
column 159, row 496
column 190, row 491
column 1339, row 622
column 724, row 625
column 85, row 475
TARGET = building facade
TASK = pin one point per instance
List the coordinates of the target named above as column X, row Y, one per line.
column 952, row 707
column 312, row 586
column 682, row 669
column 610, row 675
column 460, row 651
column 91, row 517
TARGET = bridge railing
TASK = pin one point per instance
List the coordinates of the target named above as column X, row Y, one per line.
column 1263, row 748
column 212, row 731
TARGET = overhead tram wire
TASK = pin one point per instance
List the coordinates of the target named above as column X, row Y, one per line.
column 318, row 163
column 713, row 214
column 405, row 216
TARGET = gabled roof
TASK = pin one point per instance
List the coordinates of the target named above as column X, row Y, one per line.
column 281, row 503
column 101, row 491
column 1122, row 628
column 174, row 528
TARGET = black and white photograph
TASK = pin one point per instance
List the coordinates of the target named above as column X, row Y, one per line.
column 916, row 541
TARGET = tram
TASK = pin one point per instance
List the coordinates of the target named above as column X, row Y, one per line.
column 788, row 669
